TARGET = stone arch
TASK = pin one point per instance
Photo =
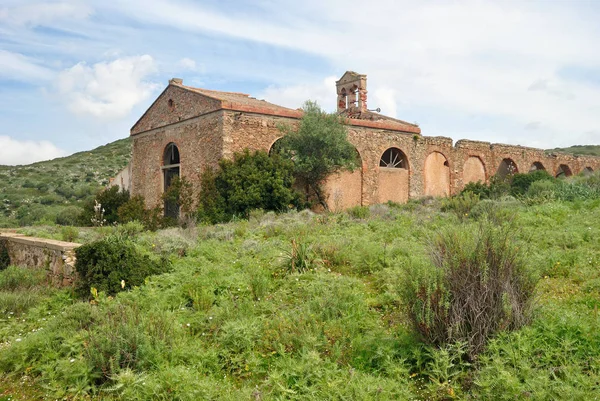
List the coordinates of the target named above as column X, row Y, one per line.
column 507, row 167
column 344, row 189
column 171, row 170
column 473, row 170
column 275, row 145
column 535, row 166
column 393, row 176
column 588, row 171
column 563, row 171
column 437, row 175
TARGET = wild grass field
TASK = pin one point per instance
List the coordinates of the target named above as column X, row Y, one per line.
column 307, row 307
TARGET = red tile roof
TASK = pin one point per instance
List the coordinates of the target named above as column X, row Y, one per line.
column 243, row 102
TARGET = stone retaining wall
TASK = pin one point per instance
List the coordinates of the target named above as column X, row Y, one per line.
column 56, row 257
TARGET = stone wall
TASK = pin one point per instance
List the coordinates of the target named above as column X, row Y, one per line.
column 57, row 258
column 200, row 144
column 433, row 166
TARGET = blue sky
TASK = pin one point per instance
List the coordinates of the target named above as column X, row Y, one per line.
column 78, row 74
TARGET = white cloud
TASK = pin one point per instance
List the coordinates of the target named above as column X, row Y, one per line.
column 37, row 13
column 17, row 67
column 187, row 63
column 294, row 96
column 455, row 59
column 107, row 90
column 14, row 151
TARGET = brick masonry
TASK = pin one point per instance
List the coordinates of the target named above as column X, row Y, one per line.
column 208, row 125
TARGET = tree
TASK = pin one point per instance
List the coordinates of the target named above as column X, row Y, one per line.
column 249, row 181
column 319, row 147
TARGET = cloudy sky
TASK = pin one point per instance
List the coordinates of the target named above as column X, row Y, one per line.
column 77, row 74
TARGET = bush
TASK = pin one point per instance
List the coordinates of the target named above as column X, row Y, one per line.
column 69, row 234
column 461, row 205
column 69, row 216
column 249, row 181
column 110, row 200
column 104, row 264
column 135, row 210
column 13, row 278
column 479, row 286
column 520, row 183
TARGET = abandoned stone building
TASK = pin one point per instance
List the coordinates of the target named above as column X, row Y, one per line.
column 187, row 129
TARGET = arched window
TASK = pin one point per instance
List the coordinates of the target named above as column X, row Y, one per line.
column 393, row 158
column 275, row 147
column 563, row 171
column 537, row 166
column 507, row 167
column 171, row 155
column 171, row 165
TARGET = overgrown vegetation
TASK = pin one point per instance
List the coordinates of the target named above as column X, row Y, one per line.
column 481, row 286
column 304, row 306
column 113, row 264
column 249, row 182
column 318, row 147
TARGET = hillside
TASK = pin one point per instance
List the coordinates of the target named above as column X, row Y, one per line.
column 40, row 192
column 580, row 150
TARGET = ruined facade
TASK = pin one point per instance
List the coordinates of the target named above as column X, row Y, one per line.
column 188, row 129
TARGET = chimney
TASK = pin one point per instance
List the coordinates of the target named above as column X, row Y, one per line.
column 352, row 93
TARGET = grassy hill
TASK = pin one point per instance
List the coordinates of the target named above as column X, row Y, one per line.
column 50, row 190
column 580, row 150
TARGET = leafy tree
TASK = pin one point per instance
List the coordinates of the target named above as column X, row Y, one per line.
column 249, row 181
column 318, row 147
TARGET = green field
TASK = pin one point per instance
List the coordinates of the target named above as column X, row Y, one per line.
column 231, row 321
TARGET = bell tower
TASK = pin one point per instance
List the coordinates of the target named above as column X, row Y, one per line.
column 352, row 93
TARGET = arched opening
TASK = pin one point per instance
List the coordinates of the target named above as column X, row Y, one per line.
column 506, row 168
column 344, row 189
column 437, row 175
column 537, row 166
column 473, row 170
column 171, row 166
column 588, row 171
column 393, row 158
column 275, row 147
column 393, row 176
column 563, row 171
column 343, row 104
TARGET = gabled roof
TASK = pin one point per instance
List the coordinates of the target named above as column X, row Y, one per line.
column 369, row 118
column 243, row 102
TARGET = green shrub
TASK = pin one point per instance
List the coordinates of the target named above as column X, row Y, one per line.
column 461, row 205
column 478, row 188
column 69, row 216
column 300, row 258
column 249, row 181
column 69, row 234
column 520, row 183
column 13, row 278
column 479, row 286
column 359, row 212
column 104, row 264
column 110, row 200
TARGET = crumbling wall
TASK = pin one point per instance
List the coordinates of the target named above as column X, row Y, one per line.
column 57, row 258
